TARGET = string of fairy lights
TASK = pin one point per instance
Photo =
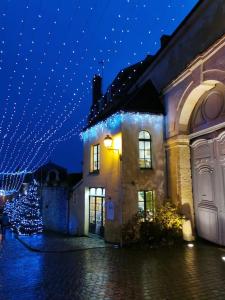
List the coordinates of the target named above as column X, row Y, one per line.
column 48, row 57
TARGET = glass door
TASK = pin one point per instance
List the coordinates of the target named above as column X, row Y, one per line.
column 92, row 217
column 97, row 210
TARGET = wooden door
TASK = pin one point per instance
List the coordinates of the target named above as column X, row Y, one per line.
column 208, row 174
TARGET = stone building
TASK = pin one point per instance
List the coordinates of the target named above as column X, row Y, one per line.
column 55, row 186
column 54, row 194
column 193, row 93
column 189, row 73
column 124, row 165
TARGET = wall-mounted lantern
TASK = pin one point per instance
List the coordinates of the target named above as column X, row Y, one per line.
column 108, row 142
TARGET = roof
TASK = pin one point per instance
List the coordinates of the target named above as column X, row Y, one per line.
column 67, row 179
column 74, row 178
column 50, row 166
column 119, row 98
column 144, row 99
column 127, row 76
column 199, row 30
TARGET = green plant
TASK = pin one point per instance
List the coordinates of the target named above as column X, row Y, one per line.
column 168, row 217
column 164, row 227
column 131, row 230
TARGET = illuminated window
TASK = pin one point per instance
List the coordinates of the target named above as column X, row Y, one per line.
column 145, row 155
column 97, row 192
column 95, row 160
column 97, row 210
column 146, row 203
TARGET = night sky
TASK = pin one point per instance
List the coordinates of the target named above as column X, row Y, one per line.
column 49, row 52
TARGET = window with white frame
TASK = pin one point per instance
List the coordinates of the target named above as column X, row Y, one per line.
column 95, row 158
column 146, row 203
column 145, row 151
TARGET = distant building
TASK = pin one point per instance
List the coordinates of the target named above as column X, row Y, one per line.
column 55, row 194
column 180, row 155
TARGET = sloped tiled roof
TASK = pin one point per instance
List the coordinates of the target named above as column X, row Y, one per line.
column 120, row 98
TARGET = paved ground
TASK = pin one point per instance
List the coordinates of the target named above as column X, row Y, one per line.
column 53, row 242
column 108, row 273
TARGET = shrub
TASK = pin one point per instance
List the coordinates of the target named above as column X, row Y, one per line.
column 164, row 227
column 168, row 217
column 131, row 230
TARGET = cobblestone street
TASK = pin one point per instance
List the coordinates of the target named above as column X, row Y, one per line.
column 110, row 273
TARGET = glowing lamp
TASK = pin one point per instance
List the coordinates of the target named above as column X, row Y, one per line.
column 108, row 141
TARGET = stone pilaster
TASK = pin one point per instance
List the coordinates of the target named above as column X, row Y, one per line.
column 179, row 174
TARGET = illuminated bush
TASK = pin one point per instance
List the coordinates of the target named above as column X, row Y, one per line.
column 164, row 227
column 168, row 218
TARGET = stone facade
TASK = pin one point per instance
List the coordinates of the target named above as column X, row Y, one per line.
column 55, row 208
column 204, row 74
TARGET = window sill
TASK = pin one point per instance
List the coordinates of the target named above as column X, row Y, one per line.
column 149, row 168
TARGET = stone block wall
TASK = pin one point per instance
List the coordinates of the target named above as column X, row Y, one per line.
column 54, row 203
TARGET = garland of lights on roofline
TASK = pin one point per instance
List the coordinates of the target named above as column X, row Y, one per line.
column 114, row 122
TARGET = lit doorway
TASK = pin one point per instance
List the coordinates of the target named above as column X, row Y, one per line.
column 97, row 210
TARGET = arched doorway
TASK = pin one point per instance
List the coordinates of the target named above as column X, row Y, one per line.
column 178, row 154
column 207, row 141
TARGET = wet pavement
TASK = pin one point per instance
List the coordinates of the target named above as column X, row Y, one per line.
column 53, row 242
column 108, row 273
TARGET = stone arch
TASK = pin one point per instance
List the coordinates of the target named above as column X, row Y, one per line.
column 189, row 101
column 178, row 147
column 192, row 100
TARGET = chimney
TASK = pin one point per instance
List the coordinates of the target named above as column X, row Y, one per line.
column 149, row 58
column 96, row 89
column 164, row 40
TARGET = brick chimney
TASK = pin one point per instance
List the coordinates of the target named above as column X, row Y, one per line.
column 96, row 89
column 164, row 40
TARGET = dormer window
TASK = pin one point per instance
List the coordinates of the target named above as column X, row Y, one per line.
column 145, row 155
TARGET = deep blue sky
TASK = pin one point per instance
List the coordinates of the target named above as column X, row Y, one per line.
column 49, row 52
